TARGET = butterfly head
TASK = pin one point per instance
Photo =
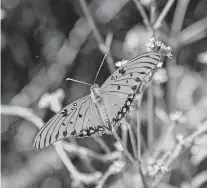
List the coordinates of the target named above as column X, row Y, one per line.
column 96, row 93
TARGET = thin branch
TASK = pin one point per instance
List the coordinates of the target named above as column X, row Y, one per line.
column 101, row 143
column 179, row 17
column 136, row 163
column 139, row 155
column 133, row 140
column 124, row 134
column 150, row 116
column 175, row 29
column 86, row 178
column 152, row 12
column 30, row 116
column 143, row 13
column 183, row 144
column 196, row 29
column 89, row 153
column 150, row 97
column 124, row 148
column 102, row 45
column 163, row 14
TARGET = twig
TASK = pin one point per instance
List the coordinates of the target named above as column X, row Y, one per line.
column 143, row 14
column 124, row 148
column 136, row 163
column 89, row 153
column 114, row 168
column 133, row 141
column 150, row 116
column 188, row 34
column 102, row 45
column 163, row 14
column 124, row 134
column 152, row 12
column 30, row 116
column 86, row 178
column 103, row 179
column 178, row 17
column 139, row 155
column 101, row 143
column 150, row 97
column 175, row 29
column 183, row 143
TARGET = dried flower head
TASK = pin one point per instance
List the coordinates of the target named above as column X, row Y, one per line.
column 154, row 170
column 160, row 76
column 121, row 63
column 52, row 101
column 117, row 166
column 178, row 116
column 157, row 46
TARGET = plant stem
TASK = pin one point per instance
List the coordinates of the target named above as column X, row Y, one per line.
column 101, row 143
column 137, row 163
column 102, row 46
column 124, row 134
column 163, row 14
column 139, row 127
column 143, row 14
column 175, row 29
column 133, row 141
column 150, row 116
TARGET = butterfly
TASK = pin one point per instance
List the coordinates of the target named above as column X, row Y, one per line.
column 101, row 111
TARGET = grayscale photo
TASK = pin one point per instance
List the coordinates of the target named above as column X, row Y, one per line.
column 103, row 94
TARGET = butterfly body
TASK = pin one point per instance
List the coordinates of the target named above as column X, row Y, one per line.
column 101, row 111
column 97, row 98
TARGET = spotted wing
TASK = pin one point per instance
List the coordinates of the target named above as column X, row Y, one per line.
column 79, row 119
column 120, row 88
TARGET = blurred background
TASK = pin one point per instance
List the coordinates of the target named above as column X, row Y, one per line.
column 45, row 41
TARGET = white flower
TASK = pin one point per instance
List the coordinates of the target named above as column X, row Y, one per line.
column 157, row 46
column 178, row 116
column 121, row 63
column 160, row 76
column 52, row 101
column 117, row 166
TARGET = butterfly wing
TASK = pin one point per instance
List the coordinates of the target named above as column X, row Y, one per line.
column 79, row 119
column 120, row 88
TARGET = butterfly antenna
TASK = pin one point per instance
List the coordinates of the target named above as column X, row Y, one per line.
column 100, row 67
column 78, row 81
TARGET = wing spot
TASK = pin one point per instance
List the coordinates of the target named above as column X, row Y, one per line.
column 142, row 73
column 75, row 104
column 122, row 71
column 119, row 87
column 73, row 108
column 73, row 133
column 65, row 133
column 131, row 74
column 134, row 88
column 80, row 115
column 64, row 113
column 138, row 79
column 71, row 122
